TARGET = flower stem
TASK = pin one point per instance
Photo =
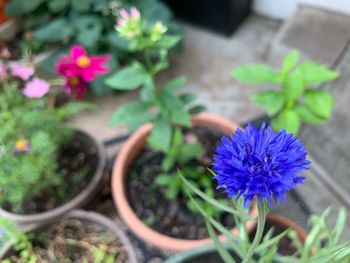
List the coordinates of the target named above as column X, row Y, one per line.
column 262, row 209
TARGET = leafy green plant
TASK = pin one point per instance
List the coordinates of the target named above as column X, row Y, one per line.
column 322, row 243
column 298, row 101
column 32, row 133
column 167, row 108
column 20, row 240
column 89, row 23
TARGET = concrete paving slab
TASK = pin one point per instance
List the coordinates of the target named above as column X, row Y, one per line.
column 319, row 34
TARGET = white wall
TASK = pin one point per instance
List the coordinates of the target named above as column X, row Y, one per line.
column 282, row 9
column 336, row 5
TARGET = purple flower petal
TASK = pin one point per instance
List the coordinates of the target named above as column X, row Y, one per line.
column 259, row 163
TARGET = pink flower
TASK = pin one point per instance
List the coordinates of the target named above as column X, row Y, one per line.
column 84, row 66
column 36, row 88
column 24, row 72
column 134, row 13
column 124, row 14
column 79, row 68
column 3, row 71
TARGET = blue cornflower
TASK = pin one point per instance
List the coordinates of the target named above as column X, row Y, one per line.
column 259, row 163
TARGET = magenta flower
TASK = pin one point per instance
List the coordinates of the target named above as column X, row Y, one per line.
column 82, row 65
column 75, row 87
column 21, row 71
column 36, row 88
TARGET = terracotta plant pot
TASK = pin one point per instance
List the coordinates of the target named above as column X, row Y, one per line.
column 87, row 217
column 205, row 251
column 285, row 223
column 78, row 201
column 3, row 16
column 128, row 153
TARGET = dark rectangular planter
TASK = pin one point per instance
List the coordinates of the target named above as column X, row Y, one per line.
column 221, row 16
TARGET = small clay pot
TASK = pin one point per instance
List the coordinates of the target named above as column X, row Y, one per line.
column 78, row 201
column 128, row 153
column 85, row 216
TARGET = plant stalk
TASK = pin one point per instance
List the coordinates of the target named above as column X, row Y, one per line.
column 262, row 212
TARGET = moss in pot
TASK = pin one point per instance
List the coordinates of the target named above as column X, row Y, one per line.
column 48, row 168
column 79, row 236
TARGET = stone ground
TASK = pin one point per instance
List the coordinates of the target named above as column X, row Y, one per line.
column 207, row 61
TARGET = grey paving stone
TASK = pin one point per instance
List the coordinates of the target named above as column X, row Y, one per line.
column 319, row 34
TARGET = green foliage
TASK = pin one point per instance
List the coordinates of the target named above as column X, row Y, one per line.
column 183, row 154
column 298, row 101
column 90, row 23
column 20, row 241
column 26, row 174
column 321, row 245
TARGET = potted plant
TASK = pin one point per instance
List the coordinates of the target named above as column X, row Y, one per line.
column 252, row 165
column 49, row 27
column 48, row 167
column 298, row 101
column 145, row 186
column 79, row 236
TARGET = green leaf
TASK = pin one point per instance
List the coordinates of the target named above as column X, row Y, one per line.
column 289, row 62
column 189, row 152
column 175, row 84
column 197, row 109
column 272, row 100
column 132, row 114
column 168, row 42
column 21, row 7
column 36, row 19
column 174, row 106
column 307, row 116
column 314, row 73
column 293, row 87
column 81, row 5
column 256, row 74
column 128, row 78
column 287, row 120
column 219, row 247
column 161, row 135
column 187, row 98
column 56, row 6
column 319, row 102
column 339, row 226
column 57, row 30
column 89, row 30
column 163, row 179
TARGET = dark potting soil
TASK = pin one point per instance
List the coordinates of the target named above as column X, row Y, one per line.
column 171, row 218
column 77, row 162
column 76, row 241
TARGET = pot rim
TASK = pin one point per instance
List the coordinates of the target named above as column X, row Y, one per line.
column 91, row 217
column 126, row 156
column 78, row 201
